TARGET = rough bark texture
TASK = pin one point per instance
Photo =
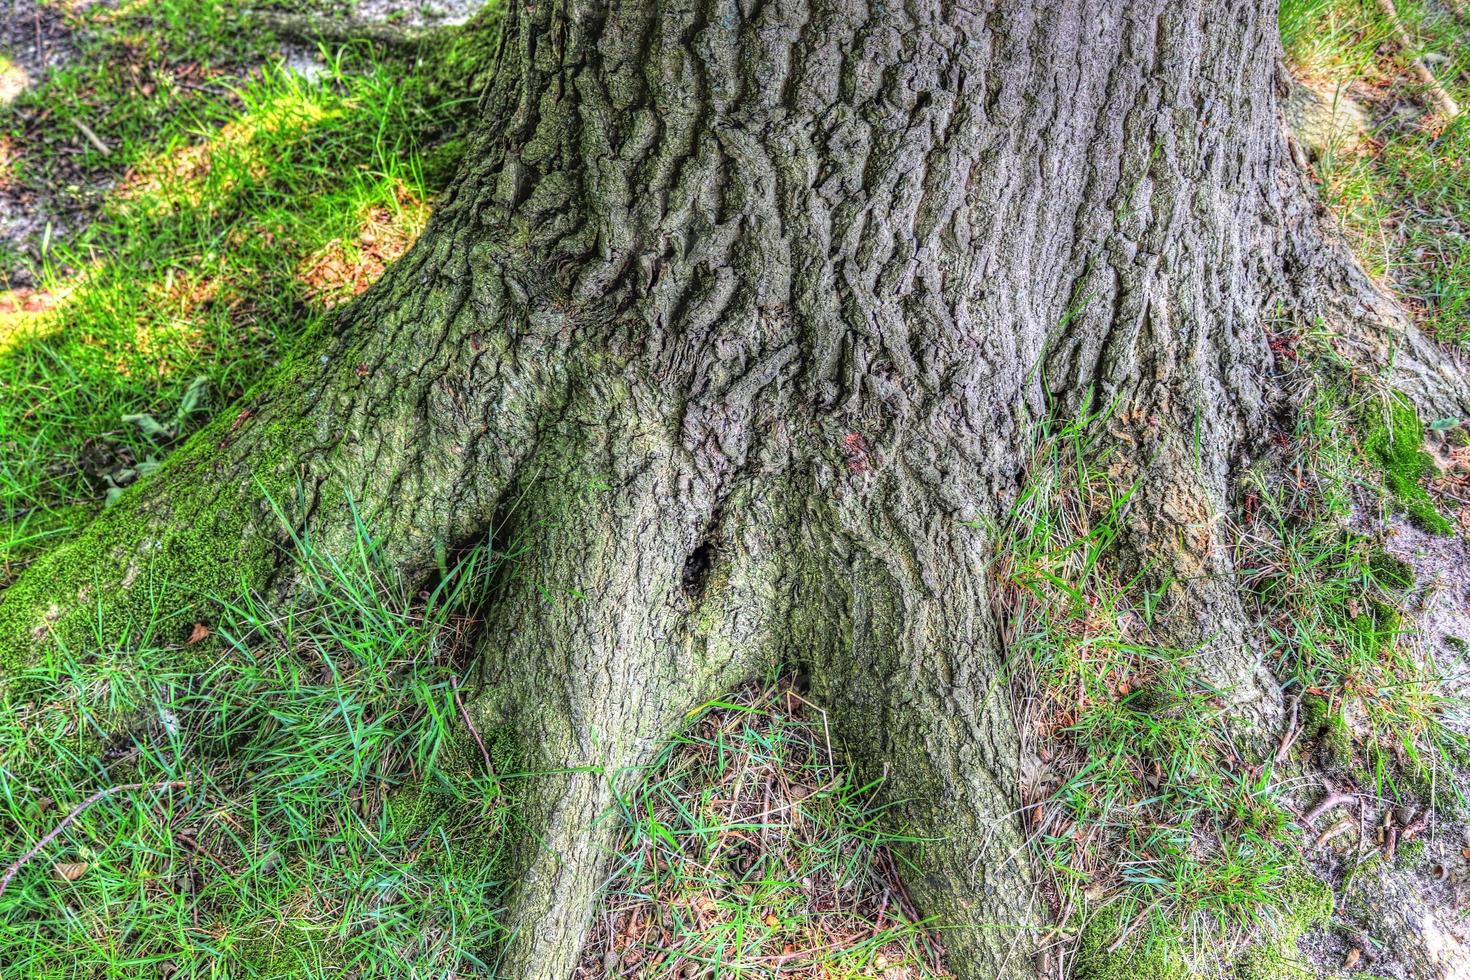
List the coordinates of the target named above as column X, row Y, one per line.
column 738, row 318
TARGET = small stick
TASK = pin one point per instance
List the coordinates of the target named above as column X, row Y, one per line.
column 1402, row 832
column 464, row 713
column 41, row 45
column 1288, row 737
column 93, row 138
column 1336, row 830
column 1447, row 106
column 1333, row 799
column 77, row 811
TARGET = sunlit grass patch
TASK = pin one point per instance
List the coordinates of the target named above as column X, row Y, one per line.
column 287, row 789
column 198, row 274
column 1406, row 201
column 750, row 851
column 211, row 171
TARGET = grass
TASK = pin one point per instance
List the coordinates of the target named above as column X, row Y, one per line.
column 309, row 802
column 1405, row 197
column 751, row 851
column 233, row 214
column 1145, row 813
column 1334, row 602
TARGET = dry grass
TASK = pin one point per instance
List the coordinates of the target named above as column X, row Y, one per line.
column 344, row 268
column 750, row 851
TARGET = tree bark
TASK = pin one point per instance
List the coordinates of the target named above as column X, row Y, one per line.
column 738, row 320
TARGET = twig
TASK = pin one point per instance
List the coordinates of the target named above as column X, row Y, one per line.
column 1447, row 106
column 40, row 44
column 464, row 713
column 1336, row 830
column 1288, row 737
column 77, row 811
column 92, row 138
column 1398, row 831
column 1333, row 798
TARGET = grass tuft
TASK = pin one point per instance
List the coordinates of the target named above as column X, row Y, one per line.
column 309, row 802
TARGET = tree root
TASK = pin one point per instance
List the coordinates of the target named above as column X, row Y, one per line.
column 1334, row 798
column 317, row 28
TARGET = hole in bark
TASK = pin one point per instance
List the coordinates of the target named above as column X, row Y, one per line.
column 696, row 568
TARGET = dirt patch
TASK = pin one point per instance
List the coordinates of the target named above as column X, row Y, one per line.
column 418, row 13
column 34, row 39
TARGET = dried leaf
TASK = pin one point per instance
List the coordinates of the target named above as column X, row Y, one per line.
column 1353, row 956
column 198, row 634
column 69, row 870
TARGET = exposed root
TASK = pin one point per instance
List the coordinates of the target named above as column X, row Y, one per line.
column 1333, row 799
column 1293, row 730
column 1326, row 285
column 908, row 660
column 314, row 29
column 1344, row 826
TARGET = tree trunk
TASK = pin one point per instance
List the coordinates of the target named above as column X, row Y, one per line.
column 738, row 319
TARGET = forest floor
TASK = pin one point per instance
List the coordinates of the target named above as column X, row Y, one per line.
column 182, row 193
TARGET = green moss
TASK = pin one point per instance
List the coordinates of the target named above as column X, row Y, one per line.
column 1327, row 727
column 1160, row 955
column 1411, row 854
column 1390, row 572
column 1304, row 902
column 1300, row 903
column 169, row 544
column 1396, row 446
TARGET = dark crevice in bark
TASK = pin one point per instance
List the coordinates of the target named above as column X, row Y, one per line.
column 697, row 568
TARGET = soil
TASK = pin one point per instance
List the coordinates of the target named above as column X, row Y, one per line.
column 33, row 40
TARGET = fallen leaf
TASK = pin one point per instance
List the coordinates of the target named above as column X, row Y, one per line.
column 772, row 921
column 69, row 870
column 1352, row 958
column 198, row 634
